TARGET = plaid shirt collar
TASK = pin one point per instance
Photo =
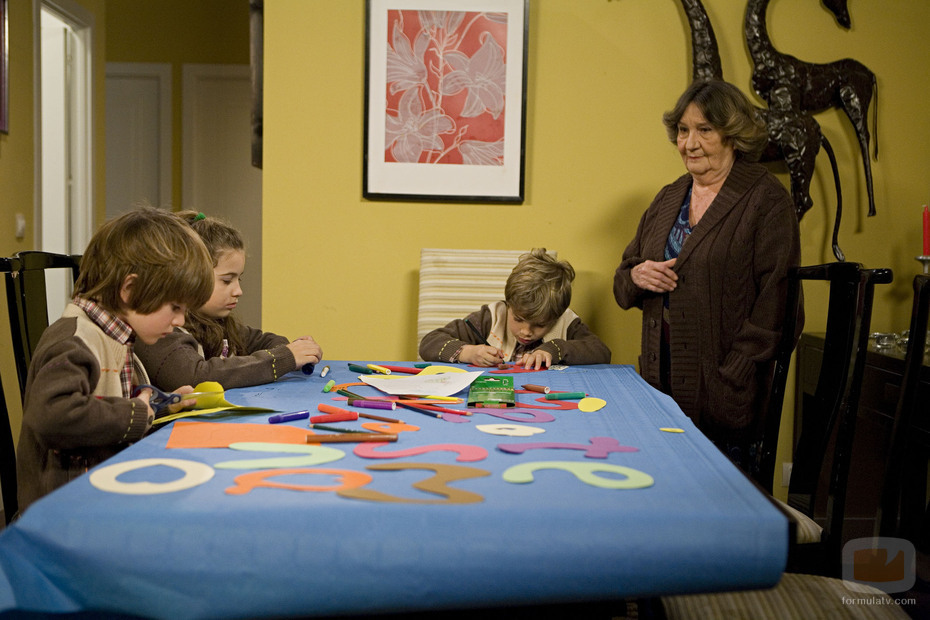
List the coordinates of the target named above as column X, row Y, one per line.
column 117, row 329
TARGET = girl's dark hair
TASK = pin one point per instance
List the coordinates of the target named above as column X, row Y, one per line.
column 219, row 237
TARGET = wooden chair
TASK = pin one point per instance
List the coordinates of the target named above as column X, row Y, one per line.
column 27, row 302
column 800, row 594
column 7, row 462
column 903, row 511
column 763, row 466
column 7, row 444
column 903, row 507
column 820, row 475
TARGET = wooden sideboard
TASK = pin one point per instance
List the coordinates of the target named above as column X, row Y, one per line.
column 877, row 402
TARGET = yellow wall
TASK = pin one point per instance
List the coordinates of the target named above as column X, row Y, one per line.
column 17, row 149
column 17, row 153
column 178, row 32
column 600, row 76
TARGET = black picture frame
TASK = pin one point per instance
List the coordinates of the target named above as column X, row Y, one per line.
column 4, row 69
column 257, row 61
column 445, row 100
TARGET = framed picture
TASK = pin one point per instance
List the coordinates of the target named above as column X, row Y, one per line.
column 445, row 100
column 257, row 61
column 4, row 70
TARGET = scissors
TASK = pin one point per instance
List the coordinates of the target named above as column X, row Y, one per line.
column 162, row 400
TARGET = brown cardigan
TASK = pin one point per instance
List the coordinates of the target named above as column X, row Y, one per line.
column 727, row 311
column 75, row 415
column 580, row 345
column 178, row 359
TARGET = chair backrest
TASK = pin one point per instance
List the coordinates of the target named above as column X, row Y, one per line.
column 832, row 416
column 7, row 445
column 455, row 283
column 903, row 508
column 763, row 468
column 27, row 302
column 7, row 461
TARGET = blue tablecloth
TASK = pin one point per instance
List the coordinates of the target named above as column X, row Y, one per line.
column 201, row 552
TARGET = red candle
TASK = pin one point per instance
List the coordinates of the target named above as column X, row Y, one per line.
column 926, row 231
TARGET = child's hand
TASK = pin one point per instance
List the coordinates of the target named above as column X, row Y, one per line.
column 145, row 395
column 481, row 355
column 184, row 404
column 306, row 351
column 534, row 360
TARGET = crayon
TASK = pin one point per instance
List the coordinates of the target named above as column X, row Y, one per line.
column 475, row 331
column 330, row 384
column 448, row 399
column 335, row 429
column 324, row 372
column 361, row 369
column 564, row 395
column 444, row 409
column 371, row 404
column 288, row 417
column 535, row 388
column 324, row 408
column 403, row 369
column 419, row 409
column 350, row 438
column 369, row 416
column 379, row 369
column 348, row 416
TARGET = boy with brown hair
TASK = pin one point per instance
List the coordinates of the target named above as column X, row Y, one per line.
column 533, row 327
column 139, row 274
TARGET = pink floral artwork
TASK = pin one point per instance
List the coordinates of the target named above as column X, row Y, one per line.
column 445, row 90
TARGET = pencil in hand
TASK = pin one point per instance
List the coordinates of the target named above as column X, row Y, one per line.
column 477, row 333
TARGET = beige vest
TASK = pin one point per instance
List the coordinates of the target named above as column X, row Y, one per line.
column 110, row 354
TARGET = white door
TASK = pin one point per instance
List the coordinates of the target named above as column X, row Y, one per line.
column 138, row 136
column 64, row 174
column 218, row 177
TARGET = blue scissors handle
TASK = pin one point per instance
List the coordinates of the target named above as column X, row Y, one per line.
column 160, row 400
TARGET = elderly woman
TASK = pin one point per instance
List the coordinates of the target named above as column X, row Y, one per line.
column 708, row 267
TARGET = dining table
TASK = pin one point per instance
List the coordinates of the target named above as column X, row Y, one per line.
column 592, row 486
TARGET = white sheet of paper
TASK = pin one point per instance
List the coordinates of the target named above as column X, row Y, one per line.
column 445, row 384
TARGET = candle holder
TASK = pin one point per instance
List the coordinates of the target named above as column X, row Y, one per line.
column 925, row 261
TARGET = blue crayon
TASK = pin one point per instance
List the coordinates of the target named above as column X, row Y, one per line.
column 288, row 417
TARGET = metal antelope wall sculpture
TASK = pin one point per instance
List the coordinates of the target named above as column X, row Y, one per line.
column 794, row 90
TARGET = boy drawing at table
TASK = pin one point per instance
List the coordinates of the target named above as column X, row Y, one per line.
column 138, row 274
column 214, row 345
column 533, row 327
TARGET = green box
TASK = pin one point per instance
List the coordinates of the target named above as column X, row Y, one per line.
column 492, row 391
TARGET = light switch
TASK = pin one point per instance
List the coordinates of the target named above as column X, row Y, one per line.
column 20, row 226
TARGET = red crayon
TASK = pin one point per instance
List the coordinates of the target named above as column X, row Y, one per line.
column 324, row 408
column 404, row 369
column 345, row 416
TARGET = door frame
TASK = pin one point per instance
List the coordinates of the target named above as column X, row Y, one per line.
column 82, row 22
